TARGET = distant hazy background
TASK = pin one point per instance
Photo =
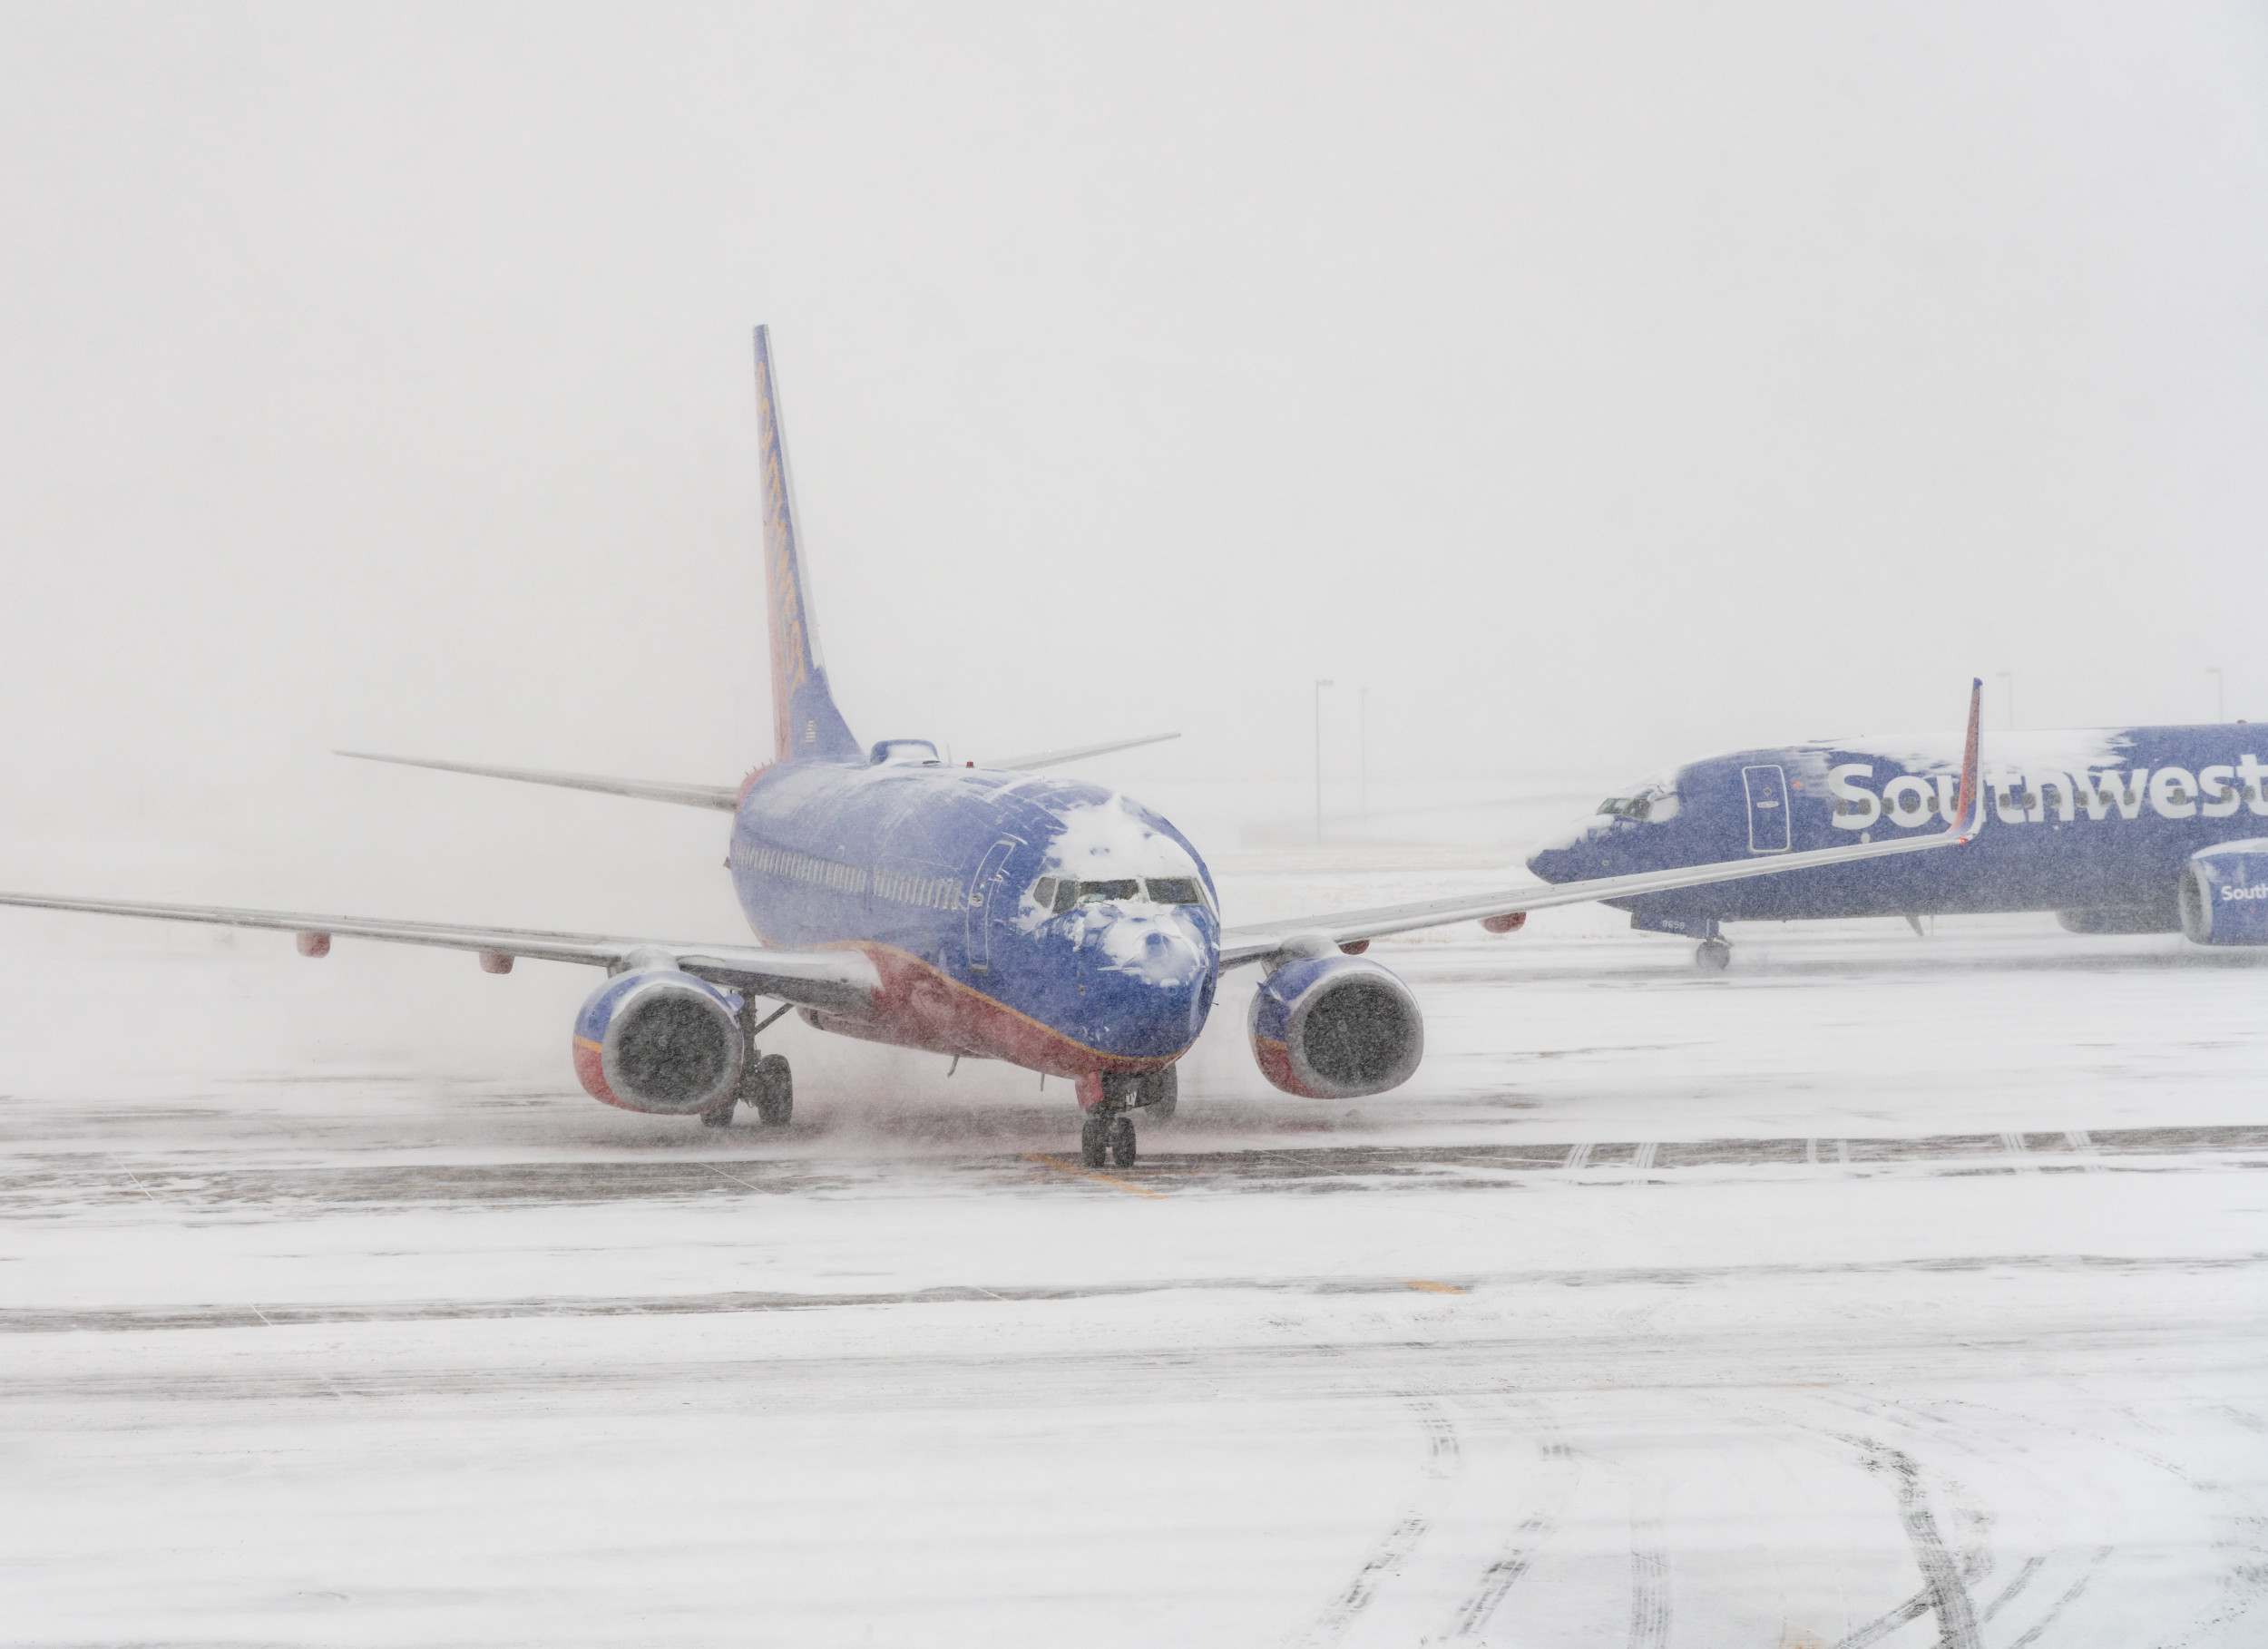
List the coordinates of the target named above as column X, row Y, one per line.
column 1599, row 386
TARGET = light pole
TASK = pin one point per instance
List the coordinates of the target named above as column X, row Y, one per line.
column 1320, row 685
column 1362, row 751
column 2010, row 680
column 2220, row 693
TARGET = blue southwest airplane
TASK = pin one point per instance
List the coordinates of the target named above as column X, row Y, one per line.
column 2118, row 830
column 984, row 912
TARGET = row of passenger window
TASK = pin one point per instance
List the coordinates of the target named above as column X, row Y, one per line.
column 901, row 886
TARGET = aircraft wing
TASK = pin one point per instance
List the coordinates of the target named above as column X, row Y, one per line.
column 837, row 981
column 1312, row 935
column 723, row 797
column 1050, row 758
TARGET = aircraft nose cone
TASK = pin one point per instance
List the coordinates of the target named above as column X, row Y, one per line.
column 1150, row 997
column 1157, row 951
column 1554, row 865
column 1569, row 854
column 1167, row 954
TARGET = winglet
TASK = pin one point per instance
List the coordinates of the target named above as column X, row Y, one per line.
column 1971, row 791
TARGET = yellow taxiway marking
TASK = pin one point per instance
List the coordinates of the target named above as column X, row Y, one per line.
column 1127, row 1185
column 1424, row 1287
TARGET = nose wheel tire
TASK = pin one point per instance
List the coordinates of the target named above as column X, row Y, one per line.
column 1121, row 1142
column 771, row 1089
column 1713, row 955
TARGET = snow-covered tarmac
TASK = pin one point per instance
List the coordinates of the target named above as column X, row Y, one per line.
column 1883, row 1291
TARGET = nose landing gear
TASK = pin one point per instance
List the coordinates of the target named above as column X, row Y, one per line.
column 1107, row 1133
column 1107, row 1139
column 1713, row 954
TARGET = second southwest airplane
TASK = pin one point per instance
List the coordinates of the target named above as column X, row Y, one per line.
column 979, row 912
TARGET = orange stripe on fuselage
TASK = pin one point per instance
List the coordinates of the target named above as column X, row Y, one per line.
column 1072, row 1058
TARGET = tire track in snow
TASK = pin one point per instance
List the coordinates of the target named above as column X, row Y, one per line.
column 1919, row 1604
column 1972, row 1564
column 1947, row 1592
column 2032, row 1565
column 2245, row 1582
column 1946, row 1574
column 1535, row 1531
column 1649, row 1586
column 1883, row 1626
column 2245, row 1578
column 2070, row 1596
column 1444, row 1457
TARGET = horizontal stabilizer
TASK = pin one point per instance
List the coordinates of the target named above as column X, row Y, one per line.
column 1050, row 758
column 723, row 797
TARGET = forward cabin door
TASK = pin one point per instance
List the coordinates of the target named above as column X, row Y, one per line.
column 988, row 898
column 1767, row 809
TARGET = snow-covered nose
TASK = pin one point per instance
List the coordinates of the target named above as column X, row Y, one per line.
column 1571, row 863
column 1148, row 998
column 1145, row 985
column 1157, row 951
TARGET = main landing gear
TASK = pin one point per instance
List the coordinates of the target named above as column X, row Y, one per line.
column 770, row 1091
column 767, row 1085
column 1106, row 1135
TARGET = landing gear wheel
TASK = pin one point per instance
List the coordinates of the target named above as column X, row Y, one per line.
column 1713, row 955
column 1092, row 1133
column 1160, row 1093
column 1121, row 1142
column 775, row 1095
column 721, row 1117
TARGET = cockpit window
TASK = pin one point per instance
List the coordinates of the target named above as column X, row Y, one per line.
column 1061, row 894
column 1070, row 893
column 1652, row 801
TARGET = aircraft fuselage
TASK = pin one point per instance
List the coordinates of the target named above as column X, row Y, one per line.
column 937, row 873
column 2094, row 820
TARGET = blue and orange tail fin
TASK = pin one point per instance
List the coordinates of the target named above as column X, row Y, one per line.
column 1972, row 799
column 804, row 721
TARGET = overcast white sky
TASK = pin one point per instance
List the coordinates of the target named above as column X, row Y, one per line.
column 1601, row 385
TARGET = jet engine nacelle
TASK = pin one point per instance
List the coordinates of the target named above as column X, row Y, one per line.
column 1336, row 1026
column 2224, row 895
column 655, row 1039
